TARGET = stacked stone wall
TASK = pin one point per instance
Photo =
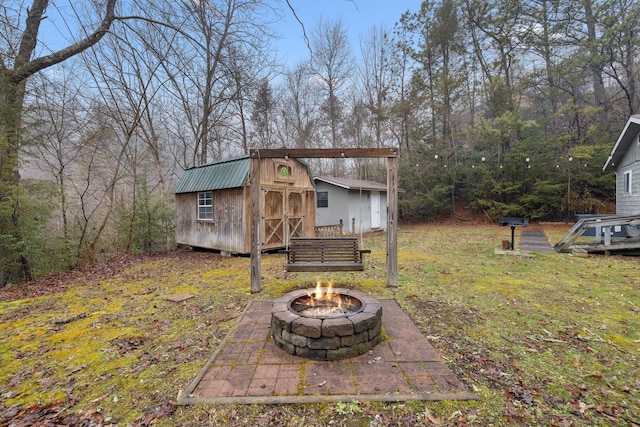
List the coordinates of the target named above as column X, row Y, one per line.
column 331, row 338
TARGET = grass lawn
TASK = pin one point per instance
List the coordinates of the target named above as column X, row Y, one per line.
column 543, row 339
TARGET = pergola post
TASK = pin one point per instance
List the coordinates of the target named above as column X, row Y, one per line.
column 392, row 222
column 256, row 213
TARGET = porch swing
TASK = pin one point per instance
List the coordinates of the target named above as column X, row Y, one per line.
column 322, row 254
column 325, row 254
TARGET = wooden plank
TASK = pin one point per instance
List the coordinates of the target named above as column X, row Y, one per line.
column 325, row 254
column 327, row 267
column 256, row 244
column 392, row 222
column 323, row 153
column 614, row 246
column 566, row 243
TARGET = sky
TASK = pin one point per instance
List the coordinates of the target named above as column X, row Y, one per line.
column 358, row 16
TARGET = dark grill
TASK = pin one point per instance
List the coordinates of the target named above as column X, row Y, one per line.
column 513, row 222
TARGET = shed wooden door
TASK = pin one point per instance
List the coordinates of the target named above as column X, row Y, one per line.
column 273, row 229
column 295, row 214
column 283, row 218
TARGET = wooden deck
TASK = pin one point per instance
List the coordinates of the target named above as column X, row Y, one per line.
column 595, row 235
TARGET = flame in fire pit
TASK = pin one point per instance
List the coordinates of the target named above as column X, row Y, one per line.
column 323, row 302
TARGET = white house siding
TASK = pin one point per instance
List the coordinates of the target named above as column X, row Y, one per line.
column 351, row 206
column 360, row 209
column 338, row 206
column 383, row 210
column 629, row 204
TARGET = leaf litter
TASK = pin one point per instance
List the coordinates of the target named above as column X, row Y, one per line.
column 102, row 346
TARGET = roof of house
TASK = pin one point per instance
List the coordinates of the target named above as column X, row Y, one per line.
column 627, row 136
column 352, row 184
column 229, row 173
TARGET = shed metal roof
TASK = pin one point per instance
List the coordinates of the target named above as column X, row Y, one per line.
column 223, row 174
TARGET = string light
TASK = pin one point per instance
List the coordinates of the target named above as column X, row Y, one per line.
column 527, row 160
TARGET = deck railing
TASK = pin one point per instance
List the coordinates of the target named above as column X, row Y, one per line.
column 332, row 230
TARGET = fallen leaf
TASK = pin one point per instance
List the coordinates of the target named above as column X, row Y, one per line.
column 432, row 419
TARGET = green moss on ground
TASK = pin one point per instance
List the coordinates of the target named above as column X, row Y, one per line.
column 543, row 340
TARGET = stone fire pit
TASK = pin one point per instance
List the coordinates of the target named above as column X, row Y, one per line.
column 348, row 330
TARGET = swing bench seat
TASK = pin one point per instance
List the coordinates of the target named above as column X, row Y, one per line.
column 325, row 254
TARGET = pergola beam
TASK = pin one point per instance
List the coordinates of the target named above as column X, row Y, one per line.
column 322, row 153
column 391, row 154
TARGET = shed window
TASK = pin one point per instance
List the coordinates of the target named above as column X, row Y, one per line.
column 283, row 171
column 205, row 206
column 322, row 198
column 627, row 182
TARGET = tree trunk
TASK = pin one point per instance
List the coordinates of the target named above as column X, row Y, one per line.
column 12, row 95
column 11, row 98
column 594, row 63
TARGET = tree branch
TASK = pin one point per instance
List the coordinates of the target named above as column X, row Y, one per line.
column 24, row 68
column 304, row 32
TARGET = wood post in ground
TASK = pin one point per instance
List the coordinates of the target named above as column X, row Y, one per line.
column 256, row 240
column 392, row 222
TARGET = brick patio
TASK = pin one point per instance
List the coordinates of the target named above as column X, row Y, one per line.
column 249, row 368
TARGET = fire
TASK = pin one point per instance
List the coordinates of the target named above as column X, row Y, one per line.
column 323, row 301
column 318, row 296
column 318, row 293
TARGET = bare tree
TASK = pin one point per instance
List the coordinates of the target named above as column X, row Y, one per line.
column 299, row 101
column 494, row 28
column 18, row 63
column 202, row 69
column 263, row 115
column 129, row 83
column 621, row 44
column 60, row 113
column 377, row 77
column 332, row 64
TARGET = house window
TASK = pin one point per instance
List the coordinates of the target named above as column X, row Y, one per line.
column 322, row 198
column 627, row 182
column 205, row 206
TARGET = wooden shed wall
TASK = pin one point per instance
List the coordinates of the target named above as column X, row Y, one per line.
column 298, row 177
column 226, row 232
column 231, row 225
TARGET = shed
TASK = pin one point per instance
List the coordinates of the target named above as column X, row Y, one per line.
column 213, row 204
column 625, row 161
column 361, row 205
